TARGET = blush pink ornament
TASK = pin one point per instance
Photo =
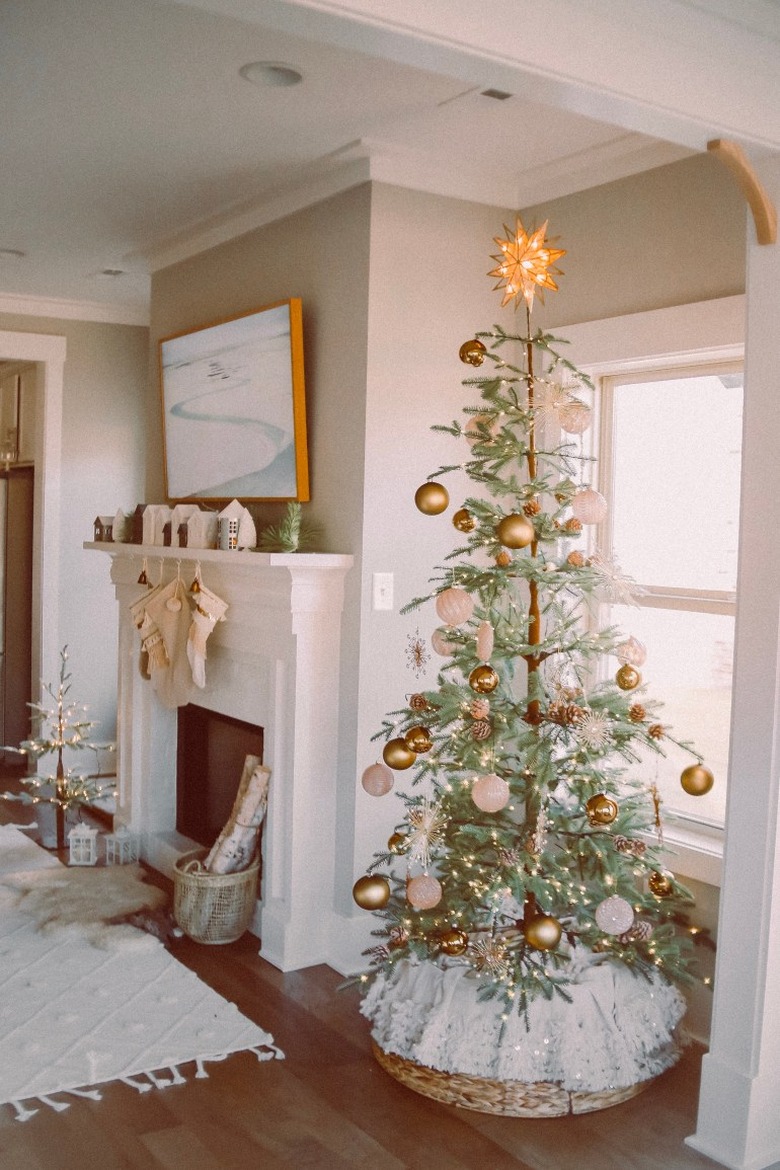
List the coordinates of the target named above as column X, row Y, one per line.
column 377, row 780
column 440, row 643
column 632, row 652
column 484, row 641
column 454, row 606
column 574, row 416
column 473, row 426
column 589, row 506
column 490, row 793
column 423, row 892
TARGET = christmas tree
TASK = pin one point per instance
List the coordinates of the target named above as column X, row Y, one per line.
column 60, row 728
column 530, row 931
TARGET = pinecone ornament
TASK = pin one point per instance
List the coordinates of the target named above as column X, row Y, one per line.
column 532, row 508
column 639, row 932
column 656, row 731
column 636, row 712
column 567, row 714
column 481, row 729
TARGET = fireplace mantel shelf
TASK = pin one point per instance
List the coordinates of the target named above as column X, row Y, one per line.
column 243, row 557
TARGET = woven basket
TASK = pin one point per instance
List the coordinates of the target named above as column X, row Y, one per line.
column 510, row 1098
column 213, row 908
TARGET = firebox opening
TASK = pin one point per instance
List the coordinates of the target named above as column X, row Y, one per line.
column 210, row 753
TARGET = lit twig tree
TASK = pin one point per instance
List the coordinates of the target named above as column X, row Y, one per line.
column 58, row 729
column 531, row 934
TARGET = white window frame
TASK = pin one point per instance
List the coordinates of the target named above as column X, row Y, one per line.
column 666, row 341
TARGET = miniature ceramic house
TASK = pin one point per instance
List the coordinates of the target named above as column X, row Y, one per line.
column 82, row 840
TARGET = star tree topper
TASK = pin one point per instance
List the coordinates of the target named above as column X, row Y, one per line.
column 525, row 264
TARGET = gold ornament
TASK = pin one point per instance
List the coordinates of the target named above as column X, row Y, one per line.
column 371, row 892
column 661, row 884
column 483, row 679
column 423, row 892
column 419, row 740
column 601, row 810
column 453, row 942
column 396, row 843
column 697, row 780
column 464, row 521
column 525, row 264
column 397, row 754
column 628, row 677
column 472, row 352
column 515, row 531
column 431, row 498
column 542, row 932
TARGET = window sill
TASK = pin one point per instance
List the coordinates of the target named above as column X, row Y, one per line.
column 693, row 850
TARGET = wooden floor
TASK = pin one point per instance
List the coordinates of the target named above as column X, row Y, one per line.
column 329, row 1105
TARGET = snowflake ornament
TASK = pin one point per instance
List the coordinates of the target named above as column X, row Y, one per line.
column 593, row 730
column 617, row 586
column 490, row 955
column 417, row 653
column 427, row 824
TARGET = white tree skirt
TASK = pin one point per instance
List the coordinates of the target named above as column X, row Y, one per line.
column 617, row 1031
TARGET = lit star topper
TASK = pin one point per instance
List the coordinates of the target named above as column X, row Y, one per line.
column 525, row 264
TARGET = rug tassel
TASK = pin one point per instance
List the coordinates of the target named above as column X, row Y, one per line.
column 139, row 1086
column 91, row 1094
column 22, row 1114
column 57, row 1106
column 268, row 1052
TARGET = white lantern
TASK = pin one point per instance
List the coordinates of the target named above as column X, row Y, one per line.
column 589, row 506
column 122, row 847
column 82, row 841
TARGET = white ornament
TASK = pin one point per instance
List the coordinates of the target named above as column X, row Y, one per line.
column 614, row 915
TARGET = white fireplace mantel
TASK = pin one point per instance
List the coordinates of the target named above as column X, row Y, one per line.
column 273, row 662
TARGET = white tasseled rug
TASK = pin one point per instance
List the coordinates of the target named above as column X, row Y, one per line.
column 79, row 1008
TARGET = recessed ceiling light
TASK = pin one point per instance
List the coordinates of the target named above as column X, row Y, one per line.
column 270, row 73
column 499, row 95
column 109, row 273
column 12, row 254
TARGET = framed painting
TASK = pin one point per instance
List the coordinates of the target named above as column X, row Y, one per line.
column 234, row 410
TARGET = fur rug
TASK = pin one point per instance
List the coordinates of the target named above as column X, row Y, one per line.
column 92, row 900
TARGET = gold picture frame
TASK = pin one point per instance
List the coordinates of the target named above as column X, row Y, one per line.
column 234, row 408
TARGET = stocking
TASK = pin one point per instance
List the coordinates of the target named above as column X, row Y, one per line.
column 209, row 609
column 170, row 611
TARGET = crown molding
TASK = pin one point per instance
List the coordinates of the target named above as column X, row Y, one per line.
column 72, row 310
column 385, row 162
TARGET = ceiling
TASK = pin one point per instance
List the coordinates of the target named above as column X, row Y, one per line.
column 129, row 138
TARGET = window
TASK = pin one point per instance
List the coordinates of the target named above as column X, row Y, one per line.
column 669, row 465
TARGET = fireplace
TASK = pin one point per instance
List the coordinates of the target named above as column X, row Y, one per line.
column 272, row 664
column 210, row 753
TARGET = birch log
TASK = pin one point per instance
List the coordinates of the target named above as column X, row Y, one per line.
column 235, row 847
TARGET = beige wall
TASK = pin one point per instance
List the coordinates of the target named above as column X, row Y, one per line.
column 671, row 236
column 103, row 440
